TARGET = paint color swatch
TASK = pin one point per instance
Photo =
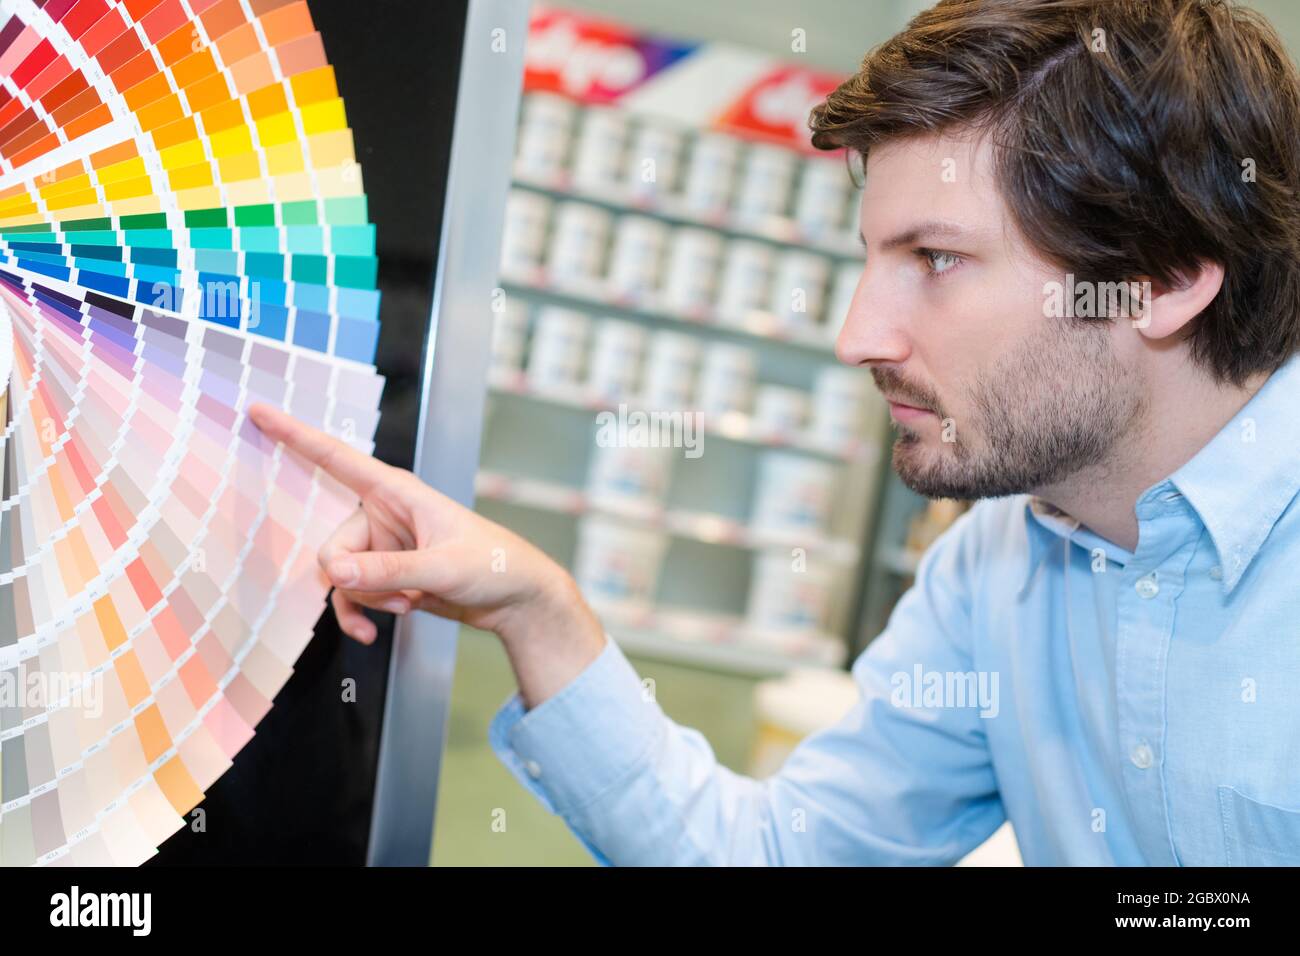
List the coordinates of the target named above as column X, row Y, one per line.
column 183, row 231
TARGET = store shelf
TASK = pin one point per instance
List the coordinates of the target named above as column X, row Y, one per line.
column 726, row 643
column 592, row 295
column 779, row 230
column 690, row 525
column 733, row 427
column 538, row 438
column 900, row 561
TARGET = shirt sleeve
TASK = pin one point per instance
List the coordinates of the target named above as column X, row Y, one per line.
column 901, row 779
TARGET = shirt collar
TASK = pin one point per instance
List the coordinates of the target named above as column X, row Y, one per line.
column 1239, row 483
column 1045, row 523
column 1242, row 481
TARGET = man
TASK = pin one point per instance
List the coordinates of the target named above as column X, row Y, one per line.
column 1126, row 584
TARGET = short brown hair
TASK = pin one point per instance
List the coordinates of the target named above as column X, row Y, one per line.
column 1133, row 138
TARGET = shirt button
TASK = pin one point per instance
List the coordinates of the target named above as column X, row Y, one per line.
column 1142, row 756
column 1147, row 587
column 534, row 769
column 1216, row 573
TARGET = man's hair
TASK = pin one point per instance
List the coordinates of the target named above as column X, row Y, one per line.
column 1133, row 138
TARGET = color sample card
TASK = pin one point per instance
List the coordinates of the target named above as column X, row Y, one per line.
column 183, row 232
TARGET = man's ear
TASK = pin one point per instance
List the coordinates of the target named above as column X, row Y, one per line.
column 1170, row 307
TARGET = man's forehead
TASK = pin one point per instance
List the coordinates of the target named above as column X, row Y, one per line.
column 933, row 152
column 937, row 185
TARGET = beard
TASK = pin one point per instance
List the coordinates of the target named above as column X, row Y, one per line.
column 1055, row 406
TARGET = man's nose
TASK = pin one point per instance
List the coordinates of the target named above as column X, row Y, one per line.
column 872, row 332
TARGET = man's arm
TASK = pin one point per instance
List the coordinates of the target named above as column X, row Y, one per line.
column 891, row 783
column 888, row 784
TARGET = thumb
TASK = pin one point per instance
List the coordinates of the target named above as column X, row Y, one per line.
column 380, row 571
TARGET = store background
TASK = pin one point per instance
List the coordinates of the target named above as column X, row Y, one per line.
column 739, row 705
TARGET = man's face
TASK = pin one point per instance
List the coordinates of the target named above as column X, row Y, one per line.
column 989, row 394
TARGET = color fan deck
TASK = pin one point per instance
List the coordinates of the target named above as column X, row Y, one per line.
column 183, row 231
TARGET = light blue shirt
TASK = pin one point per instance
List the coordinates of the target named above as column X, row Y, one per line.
column 1118, row 708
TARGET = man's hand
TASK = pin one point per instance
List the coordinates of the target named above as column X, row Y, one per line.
column 409, row 547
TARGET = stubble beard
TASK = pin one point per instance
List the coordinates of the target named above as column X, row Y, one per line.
column 1060, row 404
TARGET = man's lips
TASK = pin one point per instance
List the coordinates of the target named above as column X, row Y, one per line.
column 903, row 412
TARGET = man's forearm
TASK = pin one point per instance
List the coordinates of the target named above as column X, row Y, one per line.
column 552, row 639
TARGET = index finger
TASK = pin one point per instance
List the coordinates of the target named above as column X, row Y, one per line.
column 340, row 460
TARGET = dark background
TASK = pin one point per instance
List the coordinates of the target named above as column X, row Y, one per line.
column 301, row 791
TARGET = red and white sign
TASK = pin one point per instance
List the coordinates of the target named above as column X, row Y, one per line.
column 707, row 85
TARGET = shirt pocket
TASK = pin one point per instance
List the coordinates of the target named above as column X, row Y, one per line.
column 1258, row 834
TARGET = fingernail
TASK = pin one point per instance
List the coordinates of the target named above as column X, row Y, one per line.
column 345, row 572
column 396, row 606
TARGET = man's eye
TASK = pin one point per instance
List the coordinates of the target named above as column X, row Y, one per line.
column 937, row 262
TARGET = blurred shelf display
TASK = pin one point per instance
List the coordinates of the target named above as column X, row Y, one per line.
column 666, row 413
column 717, row 641
column 930, row 522
column 779, row 230
column 698, row 526
column 732, row 426
column 647, row 307
column 900, row 561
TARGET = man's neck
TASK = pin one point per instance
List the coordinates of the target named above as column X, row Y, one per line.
column 1182, row 415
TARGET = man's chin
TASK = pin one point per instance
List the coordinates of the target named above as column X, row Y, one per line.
column 922, row 469
column 947, row 472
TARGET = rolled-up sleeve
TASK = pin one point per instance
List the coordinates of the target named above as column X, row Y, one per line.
column 890, row 783
column 591, row 735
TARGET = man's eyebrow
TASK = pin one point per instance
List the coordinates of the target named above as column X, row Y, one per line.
column 932, row 229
